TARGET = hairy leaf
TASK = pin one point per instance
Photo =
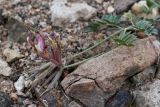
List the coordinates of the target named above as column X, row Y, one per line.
column 126, row 39
column 146, row 27
column 107, row 20
column 111, row 19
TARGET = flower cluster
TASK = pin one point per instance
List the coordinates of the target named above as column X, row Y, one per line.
column 47, row 46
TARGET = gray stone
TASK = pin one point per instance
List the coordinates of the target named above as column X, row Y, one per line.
column 123, row 5
column 64, row 12
column 5, row 70
column 122, row 99
column 148, row 95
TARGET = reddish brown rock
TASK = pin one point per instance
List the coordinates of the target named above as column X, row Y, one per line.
column 93, row 82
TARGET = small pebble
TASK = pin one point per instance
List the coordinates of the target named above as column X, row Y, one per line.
column 99, row 1
column 20, row 84
column 32, row 105
column 110, row 9
column 14, row 96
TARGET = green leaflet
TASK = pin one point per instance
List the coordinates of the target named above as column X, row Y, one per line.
column 126, row 39
column 145, row 26
column 107, row 20
column 111, row 19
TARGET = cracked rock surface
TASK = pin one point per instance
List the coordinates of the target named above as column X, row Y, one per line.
column 95, row 81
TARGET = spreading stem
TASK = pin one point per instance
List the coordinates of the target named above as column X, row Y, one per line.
column 80, row 62
column 97, row 44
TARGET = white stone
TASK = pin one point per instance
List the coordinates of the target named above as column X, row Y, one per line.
column 20, row 84
column 148, row 95
column 99, row 1
column 64, row 12
column 43, row 24
column 32, row 105
column 5, row 70
column 16, row 2
column 110, row 9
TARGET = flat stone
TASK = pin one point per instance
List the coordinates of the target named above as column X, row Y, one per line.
column 12, row 55
column 64, row 12
column 5, row 70
column 95, row 81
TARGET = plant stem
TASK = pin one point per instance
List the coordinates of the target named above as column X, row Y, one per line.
column 54, row 82
column 80, row 62
column 97, row 44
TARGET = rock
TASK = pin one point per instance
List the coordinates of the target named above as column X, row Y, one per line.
column 148, row 95
column 20, row 84
column 14, row 96
column 5, row 100
column 95, row 81
column 5, row 70
column 144, row 76
column 122, row 99
column 64, row 12
column 99, row 1
column 32, row 105
column 43, row 24
column 106, row 5
column 33, row 56
column 12, row 55
column 17, row 32
column 110, row 9
column 74, row 104
column 27, row 102
column 136, row 8
column 15, row 2
column 123, row 5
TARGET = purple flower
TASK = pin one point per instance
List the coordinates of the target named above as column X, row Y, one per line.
column 47, row 46
column 40, row 46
